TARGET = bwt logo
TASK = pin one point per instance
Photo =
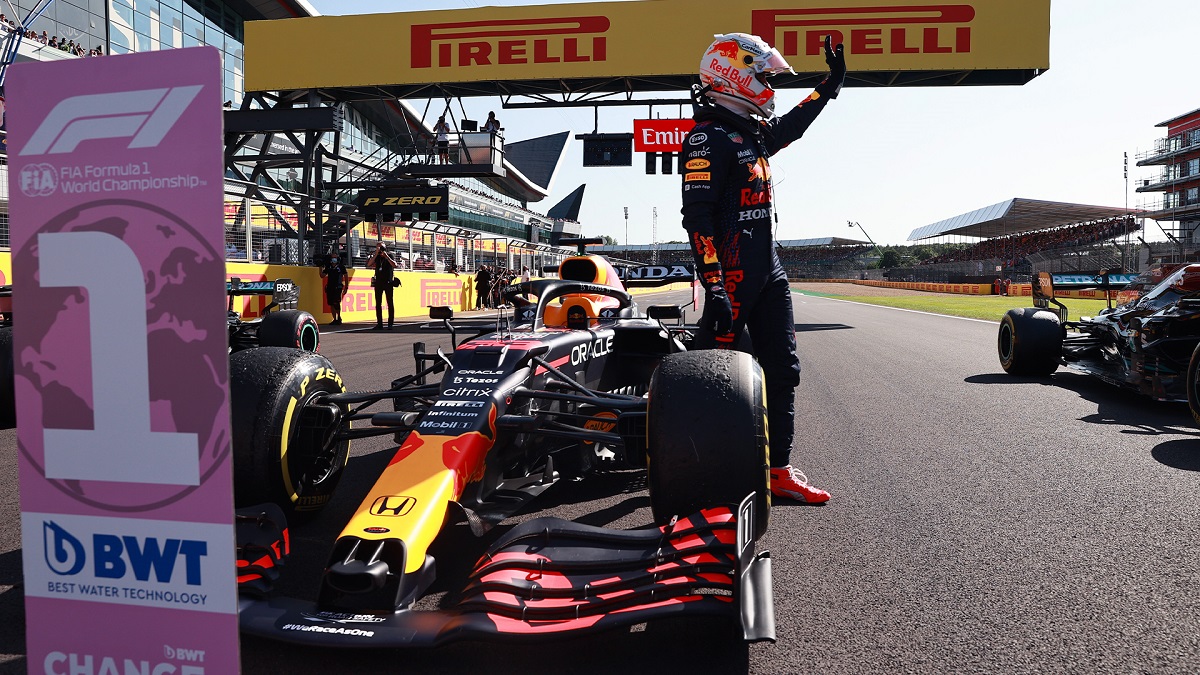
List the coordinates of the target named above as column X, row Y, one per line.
column 114, row 557
column 145, row 115
column 509, row 42
column 440, row 292
column 893, row 29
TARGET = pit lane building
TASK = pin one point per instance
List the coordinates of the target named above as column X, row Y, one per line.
column 277, row 209
column 1177, row 157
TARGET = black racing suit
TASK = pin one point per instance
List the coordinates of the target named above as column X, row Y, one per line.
column 727, row 213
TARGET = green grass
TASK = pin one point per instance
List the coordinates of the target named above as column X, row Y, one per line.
column 987, row 307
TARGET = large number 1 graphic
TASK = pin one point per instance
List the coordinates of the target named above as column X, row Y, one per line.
column 121, row 447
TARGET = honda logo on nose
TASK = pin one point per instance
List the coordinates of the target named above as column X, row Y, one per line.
column 396, row 505
column 146, row 116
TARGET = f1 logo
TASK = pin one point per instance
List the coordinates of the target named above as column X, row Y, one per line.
column 397, row 505
column 146, row 115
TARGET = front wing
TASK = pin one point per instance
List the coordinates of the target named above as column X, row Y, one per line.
column 551, row 576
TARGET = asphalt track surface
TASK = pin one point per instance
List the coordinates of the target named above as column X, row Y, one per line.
column 979, row 522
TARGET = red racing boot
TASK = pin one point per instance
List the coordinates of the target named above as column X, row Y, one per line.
column 789, row 483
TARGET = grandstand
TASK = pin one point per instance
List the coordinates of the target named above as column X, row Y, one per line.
column 1016, row 238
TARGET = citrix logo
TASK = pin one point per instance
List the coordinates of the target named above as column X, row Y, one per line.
column 113, row 557
column 146, row 115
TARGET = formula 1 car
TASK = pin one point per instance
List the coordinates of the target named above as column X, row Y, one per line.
column 577, row 379
column 1150, row 344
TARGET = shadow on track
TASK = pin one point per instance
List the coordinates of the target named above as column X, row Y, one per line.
column 815, row 327
column 1114, row 406
column 1182, row 454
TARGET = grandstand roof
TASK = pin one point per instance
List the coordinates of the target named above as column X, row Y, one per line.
column 786, row 243
column 1015, row 216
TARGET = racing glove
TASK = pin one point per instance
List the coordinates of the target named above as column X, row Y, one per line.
column 718, row 312
column 835, row 58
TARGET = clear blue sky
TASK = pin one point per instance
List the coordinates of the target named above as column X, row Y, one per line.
column 898, row 159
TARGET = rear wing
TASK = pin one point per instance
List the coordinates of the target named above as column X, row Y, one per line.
column 285, row 293
column 1044, row 284
column 1103, row 281
column 655, row 275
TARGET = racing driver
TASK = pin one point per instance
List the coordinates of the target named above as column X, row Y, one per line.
column 727, row 214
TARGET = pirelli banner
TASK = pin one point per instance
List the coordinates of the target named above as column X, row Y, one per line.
column 432, row 203
column 651, row 38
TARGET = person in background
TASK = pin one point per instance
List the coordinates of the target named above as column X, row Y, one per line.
column 492, row 124
column 728, row 218
column 334, row 274
column 524, row 274
column 384, row 265
column 443, row 140
column 483, row 288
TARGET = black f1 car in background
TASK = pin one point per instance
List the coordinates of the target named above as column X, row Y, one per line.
column 1150, row 344
column 284, row 327
column 577, row 379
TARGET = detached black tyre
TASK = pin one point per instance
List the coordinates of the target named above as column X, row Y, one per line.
column 1030, row 342
column 8, row 399
column 289, row 328
column 1193, row 384
column 707, row 435
column 281, row 429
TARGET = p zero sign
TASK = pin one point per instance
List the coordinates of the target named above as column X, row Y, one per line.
column 660, row 135
column 122, row 368
column 416, row 201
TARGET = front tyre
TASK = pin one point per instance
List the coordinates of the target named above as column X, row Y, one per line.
column 1030, row 342
column 289, row 328
column 1193, row 384
column 707, row 435
column 8, row 399
column 282, row 449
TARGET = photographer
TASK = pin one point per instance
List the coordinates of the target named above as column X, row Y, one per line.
column 384, row 282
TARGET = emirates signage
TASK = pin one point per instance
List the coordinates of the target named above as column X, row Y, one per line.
column 660, row 135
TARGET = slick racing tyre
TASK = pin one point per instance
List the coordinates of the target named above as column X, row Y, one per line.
column 1030, row 342
column 8, row 399
column 281, row 429
column 1193, row 384
column 707, row 435
column 289, row 328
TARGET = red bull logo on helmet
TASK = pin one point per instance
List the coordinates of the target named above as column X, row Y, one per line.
column 734, row 75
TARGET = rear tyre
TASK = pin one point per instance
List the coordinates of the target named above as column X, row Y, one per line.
column 707, row 435
column 8, row 399
column 1193, row 384
column 281, row 429
column 289, row 328
column 1030, row 342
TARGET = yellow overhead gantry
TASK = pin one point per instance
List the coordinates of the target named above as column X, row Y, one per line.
column 593, row 51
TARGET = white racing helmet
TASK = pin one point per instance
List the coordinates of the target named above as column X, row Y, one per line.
column 735, row 68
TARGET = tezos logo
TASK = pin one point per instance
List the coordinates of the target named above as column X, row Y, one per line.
column 145, row 115
column 38, row 180
column 114, row 557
